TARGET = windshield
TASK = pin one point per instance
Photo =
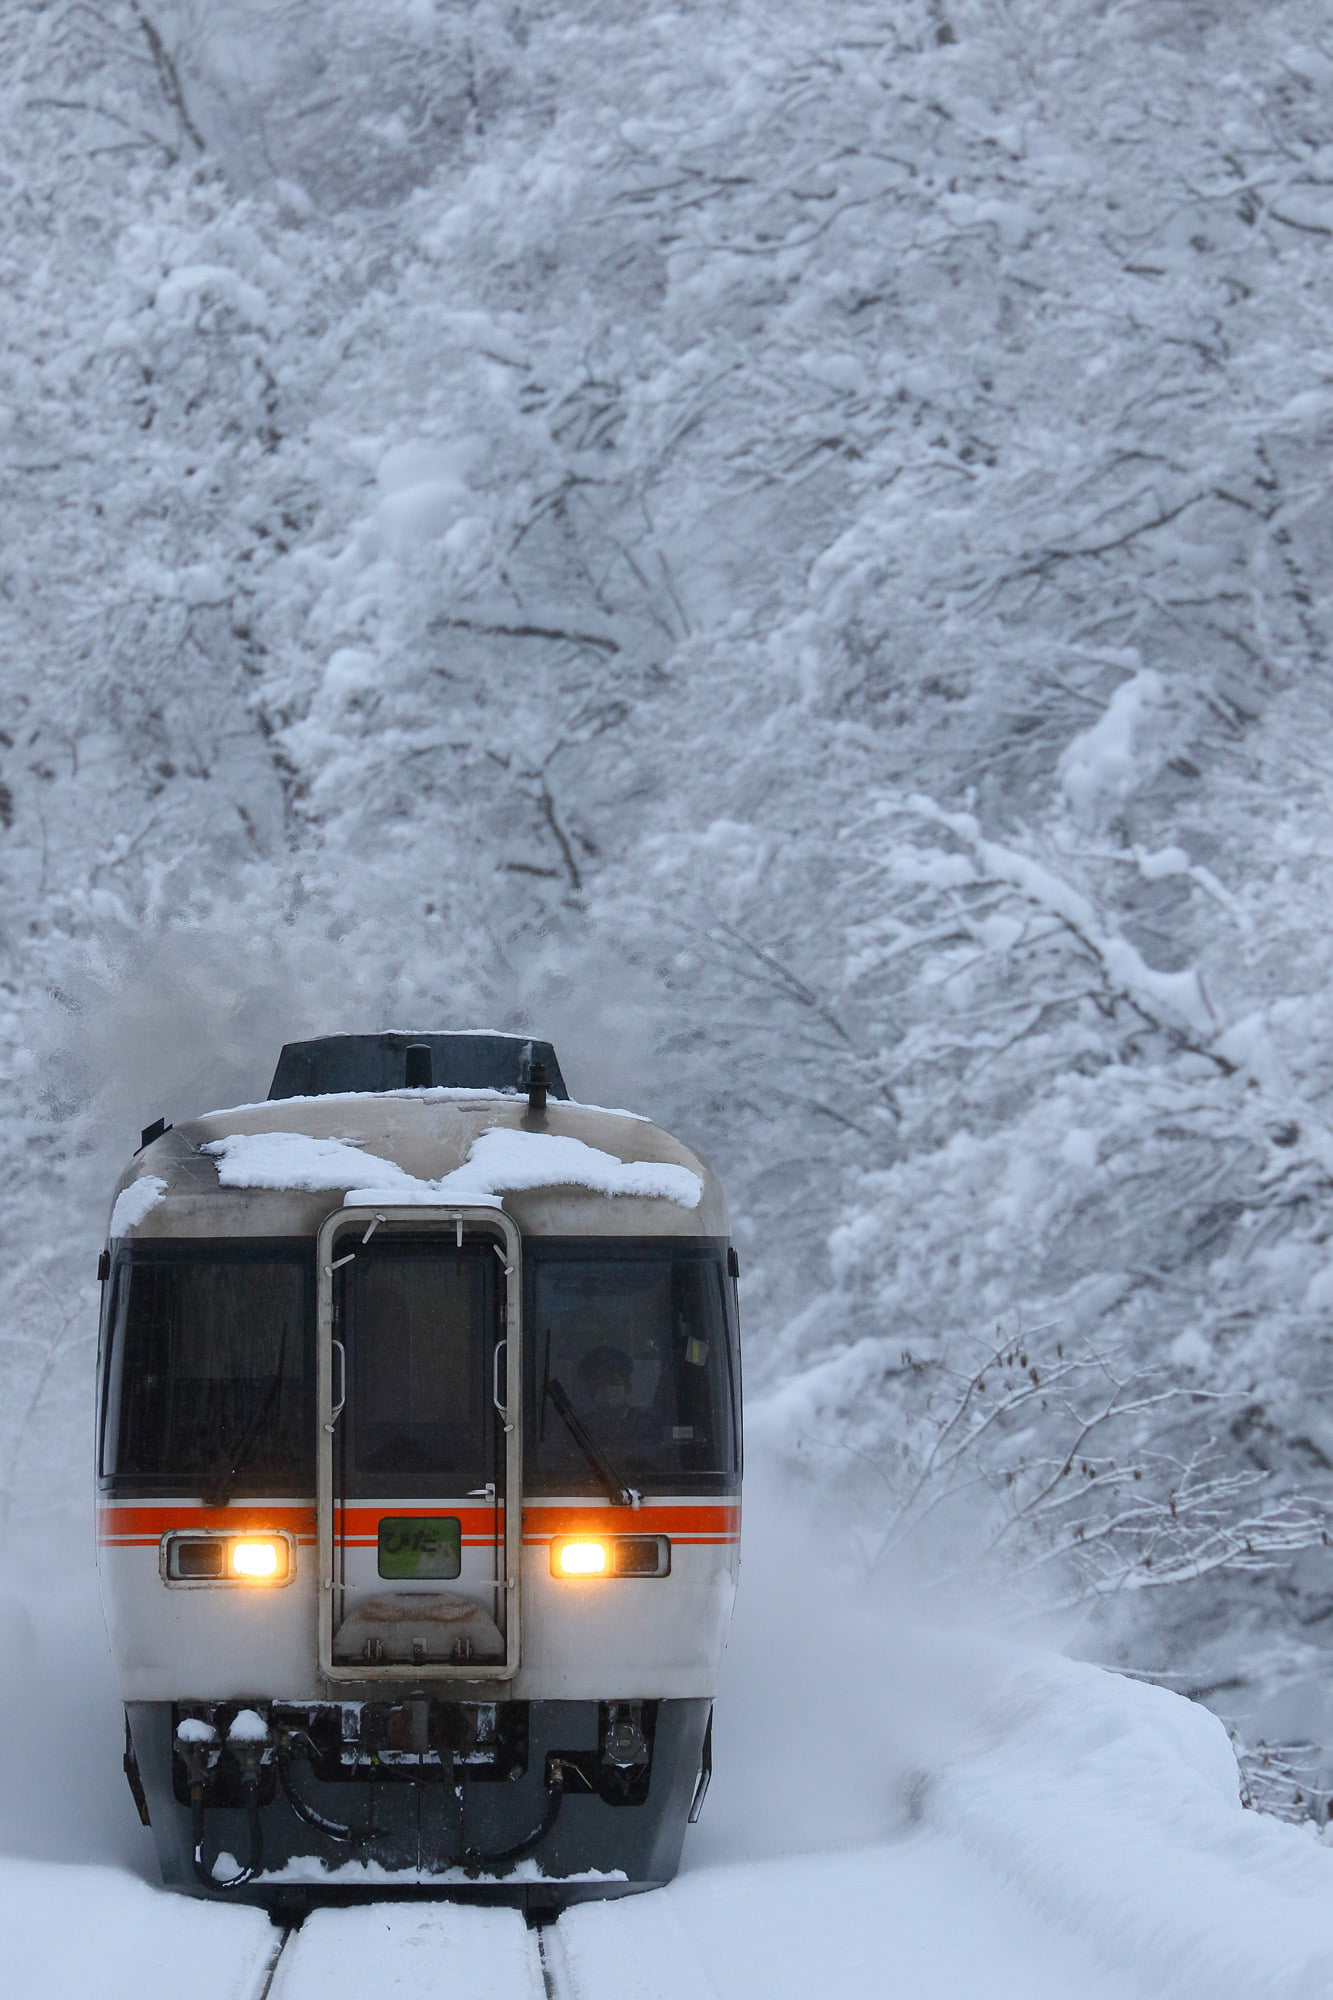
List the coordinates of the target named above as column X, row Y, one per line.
column 210, row 1378
column 636, row 1340
column 420, row 1319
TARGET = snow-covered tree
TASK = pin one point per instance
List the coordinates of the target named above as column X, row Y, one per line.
column 784, row 544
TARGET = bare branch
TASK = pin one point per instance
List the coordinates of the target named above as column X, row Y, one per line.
column 168, row 75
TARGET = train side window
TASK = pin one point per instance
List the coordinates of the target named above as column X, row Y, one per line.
column 635, row 1341
column 210, row 1368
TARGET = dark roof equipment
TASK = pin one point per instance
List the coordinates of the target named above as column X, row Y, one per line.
column 335, row 1064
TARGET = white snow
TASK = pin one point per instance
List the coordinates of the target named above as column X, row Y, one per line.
column 919, row 1918
column 368, row 1874
column 195, row 1731
column 1181, row 993
column 1114, row 1809
column 504, row 1160
column 183, row 291
column 862, row 410
column 411, row 1952
column 294, row 1160
column 1167, row 861
column 1079, row 1147
column 87, row 1933
column 499, row 1161
column 1022, row 1826
column 981, row 1816
column 136, row 1201
column 1104, row 763
column 247, row 1726
column 424, row 490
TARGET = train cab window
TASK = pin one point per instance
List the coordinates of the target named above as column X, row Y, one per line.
column 420, row 1320
column 209, row 1355
column 633, row 1345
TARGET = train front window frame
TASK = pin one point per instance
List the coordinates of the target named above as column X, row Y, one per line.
column 639, row 1337
column 261, row 1414
column 421, row 1316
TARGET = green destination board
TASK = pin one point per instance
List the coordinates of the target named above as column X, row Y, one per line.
column 418, row 1547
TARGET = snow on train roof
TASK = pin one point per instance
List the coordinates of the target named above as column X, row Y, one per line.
column 499, row 1161
column 435, row 1145
column 136, row 1201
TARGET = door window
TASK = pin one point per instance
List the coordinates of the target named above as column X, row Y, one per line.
column 419, row 1320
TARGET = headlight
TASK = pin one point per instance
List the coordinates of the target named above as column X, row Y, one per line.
column 580, row 1558
column 612, row 1555
column 259, row 1559
column 212, row 1557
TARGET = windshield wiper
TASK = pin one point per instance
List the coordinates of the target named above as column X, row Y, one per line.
column 217, row 1488
column 619, row 1494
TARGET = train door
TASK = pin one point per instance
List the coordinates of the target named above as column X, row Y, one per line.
column 419, row 1461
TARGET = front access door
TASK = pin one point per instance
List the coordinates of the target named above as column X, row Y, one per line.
column 419, row 1457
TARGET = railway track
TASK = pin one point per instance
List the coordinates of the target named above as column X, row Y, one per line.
column 532, row 1966
column 270, row 1971
column 555, row 1982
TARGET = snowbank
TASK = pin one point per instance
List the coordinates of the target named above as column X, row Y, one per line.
column 1114, row 1809
column 964, row 1788
column 70, row 1933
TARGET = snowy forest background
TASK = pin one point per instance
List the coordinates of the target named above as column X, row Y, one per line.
column 788, row 547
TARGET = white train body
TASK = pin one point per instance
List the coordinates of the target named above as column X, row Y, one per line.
column 418, row 1461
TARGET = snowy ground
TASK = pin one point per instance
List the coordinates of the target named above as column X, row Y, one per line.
column 898, row 1807
column 1096, row 1846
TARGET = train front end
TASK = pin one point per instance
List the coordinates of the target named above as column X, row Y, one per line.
column 419, row 1482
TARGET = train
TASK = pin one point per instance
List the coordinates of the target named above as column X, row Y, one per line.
column 418, row 1470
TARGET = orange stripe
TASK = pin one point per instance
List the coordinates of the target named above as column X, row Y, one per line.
column 147, row 1523
column 684, row 1522
column 143, row 1525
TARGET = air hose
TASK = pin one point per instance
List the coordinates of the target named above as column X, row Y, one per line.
column 196, row 1740
column 255, row 1864
column 330, row 1828
column 473, row 1861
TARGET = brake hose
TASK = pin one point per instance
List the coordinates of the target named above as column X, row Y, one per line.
column 310, row 1814
column 255, row 1864
column 473, row 1861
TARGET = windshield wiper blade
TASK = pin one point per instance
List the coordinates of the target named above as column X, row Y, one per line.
column 217, row 1487
column 619, row 1494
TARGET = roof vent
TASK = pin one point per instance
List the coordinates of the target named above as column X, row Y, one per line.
column 337, row 1064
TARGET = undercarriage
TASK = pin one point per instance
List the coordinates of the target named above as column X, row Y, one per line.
column 537, row 1803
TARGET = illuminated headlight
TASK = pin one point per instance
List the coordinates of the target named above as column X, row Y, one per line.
column 617, row 1555
column 220, row 1558
column 580, row 1558
column 259, row 1559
